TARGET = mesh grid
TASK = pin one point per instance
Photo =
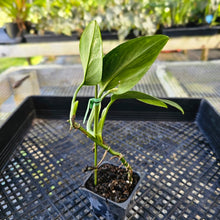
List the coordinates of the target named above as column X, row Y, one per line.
column 181, row 179
column 148, row 84
column 5, row 91
column 199, row 80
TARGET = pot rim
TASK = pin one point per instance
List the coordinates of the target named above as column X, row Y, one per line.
column 121, row 204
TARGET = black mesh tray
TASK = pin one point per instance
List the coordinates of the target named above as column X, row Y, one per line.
column 41, row 161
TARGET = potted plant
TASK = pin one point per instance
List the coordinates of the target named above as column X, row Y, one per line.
column 53, row 21
column 113, row 75
column 117, row 19
column 186, row 18
column 18, row 11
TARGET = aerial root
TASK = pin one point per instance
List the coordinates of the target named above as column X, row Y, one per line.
column 103, row 157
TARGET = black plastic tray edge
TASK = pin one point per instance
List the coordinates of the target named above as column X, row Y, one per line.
column 208, row 121
column 12, row 131
column 58, row 107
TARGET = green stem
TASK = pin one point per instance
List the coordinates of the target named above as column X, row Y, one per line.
column 102, row 119
column 91, row 115
column 107, row 93
column 74, row 105
column 96, row 119
column 77, row 90
column 105, row 147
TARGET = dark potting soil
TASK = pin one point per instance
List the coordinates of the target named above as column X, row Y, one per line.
column 112, row 183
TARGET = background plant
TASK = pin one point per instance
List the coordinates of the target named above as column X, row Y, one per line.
column 139, row 17
column 19, row 10
column 172, row 13
column 185, row 12
column 55, row 16
column 213, row 9
column 115, row 75
column 123, row 16
column 143, row 17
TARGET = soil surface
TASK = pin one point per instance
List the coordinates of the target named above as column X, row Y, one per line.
column 112, row 183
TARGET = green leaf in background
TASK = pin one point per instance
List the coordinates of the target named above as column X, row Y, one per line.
column 91, row 54
column 126, row 64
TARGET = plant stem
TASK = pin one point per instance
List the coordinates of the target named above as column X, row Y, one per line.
column 96, row 119
column 74, row 105
column 105, row 147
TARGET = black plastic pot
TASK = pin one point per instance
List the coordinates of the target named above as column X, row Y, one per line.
column 106, row 208
column 12, row 29
column 5, row 39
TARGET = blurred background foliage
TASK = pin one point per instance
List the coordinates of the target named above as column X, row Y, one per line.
column 139, row 17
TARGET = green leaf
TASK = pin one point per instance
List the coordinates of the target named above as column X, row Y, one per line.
column 174, row 104
column 128, row 95
column 148, row 99
column 73, row 110
column 126, row 64
column 151, row 100
column 91, row 54
column 102, row 120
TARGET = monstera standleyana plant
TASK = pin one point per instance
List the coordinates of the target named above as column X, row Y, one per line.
column 113, row 74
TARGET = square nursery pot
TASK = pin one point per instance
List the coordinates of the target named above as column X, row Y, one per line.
column 12, row 29
column 107, row 208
